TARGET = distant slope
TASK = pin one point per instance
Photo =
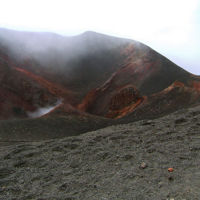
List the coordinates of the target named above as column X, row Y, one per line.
column 100, row 80
column 81, row 62
column 144, row 69
column 20, row 92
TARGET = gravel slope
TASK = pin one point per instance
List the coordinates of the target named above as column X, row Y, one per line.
column 127, row 161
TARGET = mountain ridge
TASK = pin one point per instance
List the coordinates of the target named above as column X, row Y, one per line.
column 100, row 80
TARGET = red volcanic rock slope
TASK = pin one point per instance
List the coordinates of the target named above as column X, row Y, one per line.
column 22, row 92
column 92, row 74
column 149, row 73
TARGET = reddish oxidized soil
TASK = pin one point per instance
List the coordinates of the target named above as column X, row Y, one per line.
column 124, row 102
column 107, row 79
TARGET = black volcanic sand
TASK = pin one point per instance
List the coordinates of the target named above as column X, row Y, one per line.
column 107, row 164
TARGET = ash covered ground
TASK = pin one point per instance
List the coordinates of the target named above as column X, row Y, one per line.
column 128, row 161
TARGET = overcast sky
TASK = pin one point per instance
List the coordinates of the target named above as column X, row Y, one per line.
column 171, row 27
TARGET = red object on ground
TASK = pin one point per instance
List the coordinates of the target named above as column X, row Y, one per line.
column 170, row 169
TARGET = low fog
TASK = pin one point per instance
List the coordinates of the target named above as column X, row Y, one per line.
column 46, row 45
column 78, row 59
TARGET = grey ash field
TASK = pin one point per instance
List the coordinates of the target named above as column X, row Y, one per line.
column 106, row 164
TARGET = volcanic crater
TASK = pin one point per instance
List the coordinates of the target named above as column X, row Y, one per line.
column 99, row 81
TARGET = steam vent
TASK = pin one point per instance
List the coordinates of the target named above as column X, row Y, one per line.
column 56, row 86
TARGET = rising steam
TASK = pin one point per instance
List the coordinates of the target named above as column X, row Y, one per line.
column 42, row 111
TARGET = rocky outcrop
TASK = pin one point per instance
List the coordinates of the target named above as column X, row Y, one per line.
column 124, row 102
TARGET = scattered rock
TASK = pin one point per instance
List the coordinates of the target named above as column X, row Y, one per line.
column 170, row 178
column 143, row 165
column 170, row 169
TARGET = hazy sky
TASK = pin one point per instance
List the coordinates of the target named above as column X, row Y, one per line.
column 171, row 27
